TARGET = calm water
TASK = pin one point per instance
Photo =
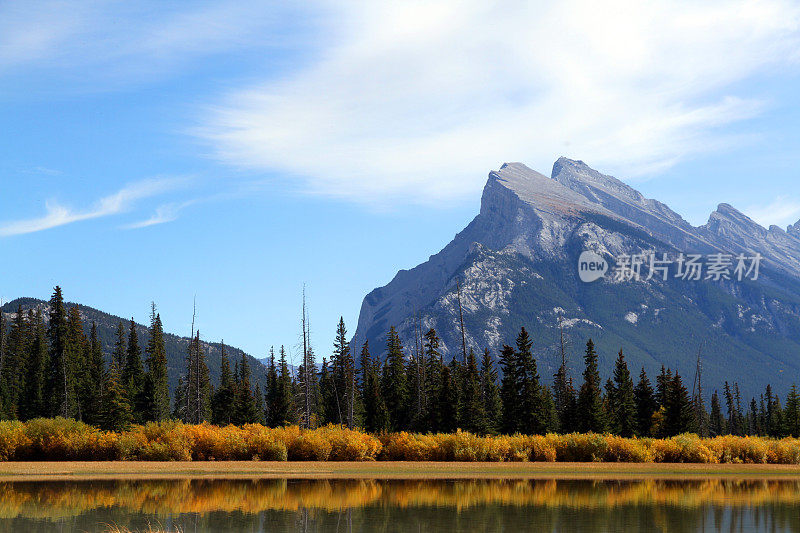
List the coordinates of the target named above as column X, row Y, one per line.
column 402, row 506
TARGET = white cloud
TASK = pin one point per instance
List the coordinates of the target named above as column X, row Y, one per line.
column 99, row 45
column 418, row 100
column 782, row 211
column 163, row 214
column 119, row 202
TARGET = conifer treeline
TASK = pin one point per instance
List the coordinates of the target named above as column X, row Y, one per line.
column 51, row 368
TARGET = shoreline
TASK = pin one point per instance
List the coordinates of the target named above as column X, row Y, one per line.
column 399, row 470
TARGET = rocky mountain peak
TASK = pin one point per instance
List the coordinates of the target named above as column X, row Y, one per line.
column 794, row 230
column 534, row 189
column 727, row 221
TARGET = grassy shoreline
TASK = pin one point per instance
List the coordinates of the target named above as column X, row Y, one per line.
column 75, row 470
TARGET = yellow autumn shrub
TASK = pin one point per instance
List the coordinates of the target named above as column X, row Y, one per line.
column 350, row 445
column 579, row 447
column 733, row 449
column 310, row 446
column 685, row 448
column 13, row 440
column 785, row 451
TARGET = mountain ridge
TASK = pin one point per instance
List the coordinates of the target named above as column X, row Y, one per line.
column 516, row 262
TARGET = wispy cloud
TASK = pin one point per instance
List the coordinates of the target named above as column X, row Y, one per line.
column 418, row 99
column 782, row 211
column 163, row 214
column 114, row 44
column 119, row 202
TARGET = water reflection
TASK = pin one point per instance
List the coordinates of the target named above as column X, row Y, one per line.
column 375, row 505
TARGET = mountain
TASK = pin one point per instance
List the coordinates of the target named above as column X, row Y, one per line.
column 175, row 345
column 516, row 264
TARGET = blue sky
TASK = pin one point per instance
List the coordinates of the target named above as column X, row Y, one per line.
column 237, row 150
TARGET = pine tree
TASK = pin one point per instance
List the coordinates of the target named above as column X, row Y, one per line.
column 35, row 403
column 282, row 409
column 120, row 347
column 716, row 422
column 245, row 410
column 376, row 415
column 222, row 404
column 646, row 405
column 61, row 375
column 417, row 391
column 94, row 380
column 473, row 413
column 393, row 382
column 117, row 415
column 791, row 413
column 77, row 348
column 623, row 411
column 330, row 408
column 678, row 408
column 774, row 414
column 344, row 376
column 491, row 393
column 534, row 416
column 590, row 412
column 510, row 391
column 14, row 365
column 271, row 390
column 133, row 375
column 156, row 397
column 564, row 398
column 447, row 403
column 433, row 379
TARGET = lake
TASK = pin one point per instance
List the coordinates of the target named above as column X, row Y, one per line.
column 219, row 505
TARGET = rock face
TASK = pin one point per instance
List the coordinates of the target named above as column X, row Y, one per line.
column 516, row 265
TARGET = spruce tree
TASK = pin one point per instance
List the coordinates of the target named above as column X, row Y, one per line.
column 133, row 375
column 510, row 391
column 473, row 412
column 222, row 404
column 60, row 390
column 433, row 379
column 590, row 412
column 678, row 408
column 533, row 414
column 156, row 382
column 120, row 347
column 393, row 382
column 35, row 403
column 94, row 380
column 417, row 392
column 447, row 403
column 791, row 413
column 12, row 385
column 78, row 353
column 271, row 390
column 376, row 414
column 564, row 398
column 716, row 422
column 344, row 376
column 246, row 409
column 491, row 393
column 117, row 415
column 283, row 410
column 623, row 412
column 646, row 405
column 331, row 412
